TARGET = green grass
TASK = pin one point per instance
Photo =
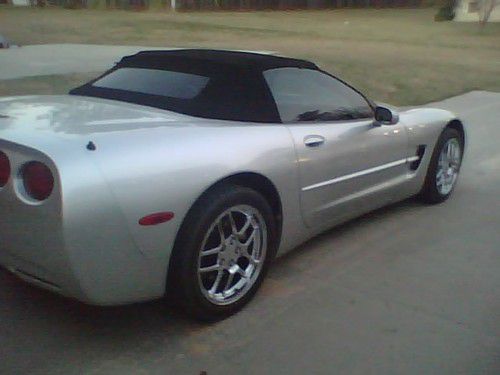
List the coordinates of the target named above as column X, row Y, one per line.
column 395, row 55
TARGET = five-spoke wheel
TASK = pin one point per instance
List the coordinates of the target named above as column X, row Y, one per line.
column 230, row 258
column 222, row 252
column 448, row 166
column 444, row 167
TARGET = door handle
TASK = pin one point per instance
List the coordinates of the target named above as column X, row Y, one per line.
column 314, row 140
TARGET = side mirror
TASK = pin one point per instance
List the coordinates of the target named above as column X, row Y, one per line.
column 386, row 116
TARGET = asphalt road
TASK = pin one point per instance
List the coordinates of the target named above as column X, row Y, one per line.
column 409, row 289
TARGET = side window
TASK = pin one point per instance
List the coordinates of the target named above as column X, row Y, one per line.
column 309, row 95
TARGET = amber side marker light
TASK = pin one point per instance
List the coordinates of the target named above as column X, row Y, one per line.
column 156, row 218
column 38, row 180
column 4, row 169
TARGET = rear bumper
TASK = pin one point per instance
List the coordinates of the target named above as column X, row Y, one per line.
column 55, row 280
column 29, row 272
column 76, row 242
column 89, row 282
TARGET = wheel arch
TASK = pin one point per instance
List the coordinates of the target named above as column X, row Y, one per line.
column 255, row 181
column 260, row 184
column 458, row 126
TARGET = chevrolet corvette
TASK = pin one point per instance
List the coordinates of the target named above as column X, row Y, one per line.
column 184, row 173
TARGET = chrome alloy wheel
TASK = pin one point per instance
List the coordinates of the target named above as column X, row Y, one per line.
column 232, row 254
column 448, row 166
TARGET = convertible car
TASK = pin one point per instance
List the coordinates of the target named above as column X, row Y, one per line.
column 183, row 174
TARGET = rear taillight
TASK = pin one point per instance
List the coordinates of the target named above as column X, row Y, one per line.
column 38, row 180
column 4, row 169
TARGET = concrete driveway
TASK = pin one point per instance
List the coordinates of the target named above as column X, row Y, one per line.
column 409, row 289
column 59, row 59
column 48, row 59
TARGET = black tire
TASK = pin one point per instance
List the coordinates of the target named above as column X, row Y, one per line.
column 430, row 193
column 182, row 284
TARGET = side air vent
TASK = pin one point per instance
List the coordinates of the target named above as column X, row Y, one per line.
column 420, row 153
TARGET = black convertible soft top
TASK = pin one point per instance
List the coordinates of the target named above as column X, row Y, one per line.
column 231, row 83
column 259, row 61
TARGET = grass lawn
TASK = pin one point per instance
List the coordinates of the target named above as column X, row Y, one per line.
column 399, row 56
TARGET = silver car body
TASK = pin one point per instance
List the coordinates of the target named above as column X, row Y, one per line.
column 85, row 242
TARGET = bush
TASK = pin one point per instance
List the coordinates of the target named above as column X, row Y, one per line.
column 446, row 12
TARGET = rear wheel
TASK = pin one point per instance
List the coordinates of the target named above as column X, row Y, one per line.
column 444, row 167
column 222, row 252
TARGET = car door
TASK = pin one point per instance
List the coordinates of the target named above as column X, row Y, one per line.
column 346, row 160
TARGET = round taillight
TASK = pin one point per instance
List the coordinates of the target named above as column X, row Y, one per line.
column 4, row 169
column 38, row 180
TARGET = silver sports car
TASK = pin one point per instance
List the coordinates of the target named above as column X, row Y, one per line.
column 184, row 173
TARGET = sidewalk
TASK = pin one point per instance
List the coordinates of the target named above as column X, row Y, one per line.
column 48, row 59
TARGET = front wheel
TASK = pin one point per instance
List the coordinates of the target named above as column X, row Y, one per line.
column 444, row 167
column 222, row 252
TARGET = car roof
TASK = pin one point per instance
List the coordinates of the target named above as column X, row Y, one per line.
column 260, row 61
column 236, row 88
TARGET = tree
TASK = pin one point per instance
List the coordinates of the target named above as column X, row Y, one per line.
column 485, row 9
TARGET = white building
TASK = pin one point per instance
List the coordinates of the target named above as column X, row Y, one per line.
column 468, row 11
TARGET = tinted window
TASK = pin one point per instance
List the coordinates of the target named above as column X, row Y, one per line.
column 155, row 82
column 310, row 95
column 195, row 88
